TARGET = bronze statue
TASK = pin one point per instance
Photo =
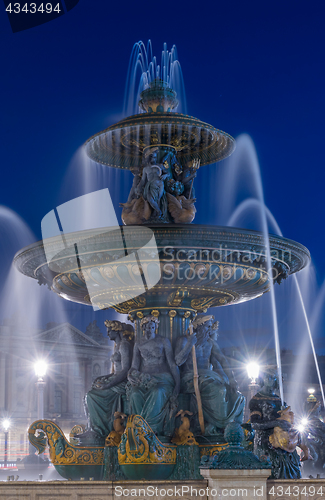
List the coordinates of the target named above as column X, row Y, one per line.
column 147, row 199
column 154, row 377
column 152, row 187
column 313, row 436
column 162, row 191
column 266, row 415
column 221, row 402
column 107, row 395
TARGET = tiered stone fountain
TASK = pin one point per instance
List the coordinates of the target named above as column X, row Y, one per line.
column 159, row 264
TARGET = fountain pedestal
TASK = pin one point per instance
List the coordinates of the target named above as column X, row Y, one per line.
column 237, row 483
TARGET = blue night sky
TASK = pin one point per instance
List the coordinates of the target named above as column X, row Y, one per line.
column 249, row 67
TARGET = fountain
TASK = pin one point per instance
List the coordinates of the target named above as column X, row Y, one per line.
column 164, row 272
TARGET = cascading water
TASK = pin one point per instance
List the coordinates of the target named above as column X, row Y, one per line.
column 255, row 205
column 244, row 165
column 23, row 303
column 143, row 63
column 85, row 176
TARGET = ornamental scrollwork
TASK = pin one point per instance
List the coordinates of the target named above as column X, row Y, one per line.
column 140, row 445
column 61, row 451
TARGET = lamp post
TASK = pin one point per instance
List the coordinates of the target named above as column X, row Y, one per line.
column 6, row 425
column 40, row 371
column 253, row 371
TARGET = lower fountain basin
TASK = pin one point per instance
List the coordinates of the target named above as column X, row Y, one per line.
column 129, row 267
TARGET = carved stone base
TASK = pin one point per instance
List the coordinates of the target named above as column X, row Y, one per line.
column 237, row 483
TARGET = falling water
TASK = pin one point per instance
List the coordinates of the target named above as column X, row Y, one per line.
column 85, row 176
column 144, row 67
column 21, row 295
column 23, row 303
column 253, row 204
column 245, row 156
column 311, row 339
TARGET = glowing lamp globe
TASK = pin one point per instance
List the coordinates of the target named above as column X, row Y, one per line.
column 253, row 371
column 40, row 368
column 6, row 424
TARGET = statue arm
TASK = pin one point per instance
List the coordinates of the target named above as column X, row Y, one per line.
column 133, row 375
column 217, row 357
column 140, row 186
column 258, row 421
column 216, row 366
column 259, row 425
column 172, row 366
column 118, row 377
column 183, row 349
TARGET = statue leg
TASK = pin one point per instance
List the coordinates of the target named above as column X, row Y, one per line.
column 136, row 401
column 154, row 195
column 156, row 408
column 154, row 204
column 102, row 404
column 152, row 404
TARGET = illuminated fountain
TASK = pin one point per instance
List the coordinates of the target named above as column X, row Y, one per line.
column 160, row 269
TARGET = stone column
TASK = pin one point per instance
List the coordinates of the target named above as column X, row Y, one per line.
column 2, row 380
column 88, row 370
column 237, row 484
column 70, row 387
column 51, row 384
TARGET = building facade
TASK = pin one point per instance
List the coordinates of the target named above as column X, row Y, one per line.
column 74, row 360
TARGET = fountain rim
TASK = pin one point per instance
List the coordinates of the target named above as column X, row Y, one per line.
column 196, row 228
column 161, row 118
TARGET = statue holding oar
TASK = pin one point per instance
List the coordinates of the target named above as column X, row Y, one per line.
column 206, row 376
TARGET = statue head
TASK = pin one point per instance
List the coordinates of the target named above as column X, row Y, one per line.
column 117, row 330
column 150, row 156
column 214, row 330
column 149, row 325
column 269, row 381
column 203, row 326
column 203, row 323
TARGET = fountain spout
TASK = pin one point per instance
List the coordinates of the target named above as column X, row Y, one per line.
column 158, row 97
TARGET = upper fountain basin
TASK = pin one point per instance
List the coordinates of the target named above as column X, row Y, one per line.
column 122, row 145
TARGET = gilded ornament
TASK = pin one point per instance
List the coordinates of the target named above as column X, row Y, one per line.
column 61, row 451
column 149, row 318
column 114, row 437
column 140, row 445
column 213, row 449
column 76, row 429
column 182, row 434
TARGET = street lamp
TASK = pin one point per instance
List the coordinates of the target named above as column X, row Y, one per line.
column 311, row 398
column 40, row 370
column 253, row 371
column 6, row 425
